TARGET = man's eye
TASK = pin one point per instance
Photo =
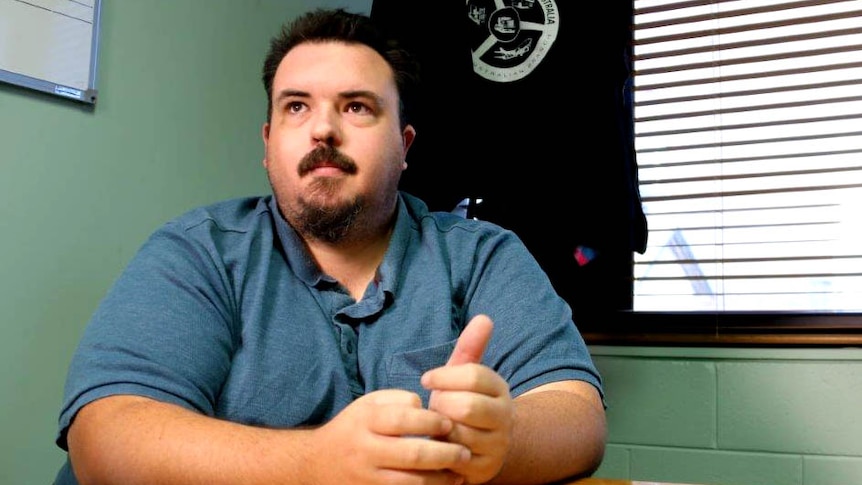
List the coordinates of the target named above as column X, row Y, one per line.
column 294, row 107
column 358, row 108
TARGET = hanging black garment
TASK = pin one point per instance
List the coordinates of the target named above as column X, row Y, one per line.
column 527, row 107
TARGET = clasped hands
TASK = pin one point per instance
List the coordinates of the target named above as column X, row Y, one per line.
column 387, row 437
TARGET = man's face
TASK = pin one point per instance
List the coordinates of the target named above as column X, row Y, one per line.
column 334, row 147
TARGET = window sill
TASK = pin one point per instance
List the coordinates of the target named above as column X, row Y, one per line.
column 726, row 329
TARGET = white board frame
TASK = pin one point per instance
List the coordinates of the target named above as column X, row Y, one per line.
column 51, row 46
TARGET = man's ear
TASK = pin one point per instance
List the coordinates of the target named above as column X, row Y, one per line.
column 408, row 134
column 264, row 133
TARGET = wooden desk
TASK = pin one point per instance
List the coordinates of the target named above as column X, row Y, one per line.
column 607, row 481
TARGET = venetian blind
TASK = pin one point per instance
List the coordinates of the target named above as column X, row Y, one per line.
column 748, row 133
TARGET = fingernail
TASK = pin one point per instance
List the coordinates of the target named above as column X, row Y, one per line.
column 465, row 455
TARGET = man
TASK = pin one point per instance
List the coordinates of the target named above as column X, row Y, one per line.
column 338, row 332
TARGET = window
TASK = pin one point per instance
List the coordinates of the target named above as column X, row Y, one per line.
column 748, row 134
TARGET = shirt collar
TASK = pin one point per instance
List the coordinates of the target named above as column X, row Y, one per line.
column 298, row 257
column 303, row 265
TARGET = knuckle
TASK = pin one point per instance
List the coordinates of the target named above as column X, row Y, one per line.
column 414, row 455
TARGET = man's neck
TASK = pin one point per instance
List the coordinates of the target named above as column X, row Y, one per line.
column 352, row 262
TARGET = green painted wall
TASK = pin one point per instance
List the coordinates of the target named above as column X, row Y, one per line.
column 177, row 125
column 733, row 416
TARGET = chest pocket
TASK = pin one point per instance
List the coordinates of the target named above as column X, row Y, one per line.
column 406, row 368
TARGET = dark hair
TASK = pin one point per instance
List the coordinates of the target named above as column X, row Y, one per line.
column 324, row 25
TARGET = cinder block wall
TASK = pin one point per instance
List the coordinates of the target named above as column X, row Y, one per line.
column 734, row 416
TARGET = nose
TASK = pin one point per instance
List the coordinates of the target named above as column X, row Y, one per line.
column 326, row 127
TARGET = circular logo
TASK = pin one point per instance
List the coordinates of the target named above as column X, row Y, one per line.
column 510, row 38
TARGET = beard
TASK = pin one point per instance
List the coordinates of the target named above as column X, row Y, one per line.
column 316, row 216
column 328, row 223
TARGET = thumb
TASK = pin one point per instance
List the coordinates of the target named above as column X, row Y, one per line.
column 468, row 349
column 472, row 342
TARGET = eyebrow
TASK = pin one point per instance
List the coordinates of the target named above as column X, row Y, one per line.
column 290, row 93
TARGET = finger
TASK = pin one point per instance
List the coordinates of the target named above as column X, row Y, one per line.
column 394, row 396
column 397, row 420
column 397, row 412
column 480, row 441
column 413, row 453
column 425, row 477
column 472, row 342
column 467, row 377
column 472, row 409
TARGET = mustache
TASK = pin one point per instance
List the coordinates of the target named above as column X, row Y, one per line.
column 326, row 155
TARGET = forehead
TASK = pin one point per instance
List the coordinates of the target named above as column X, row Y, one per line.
column 320, row 67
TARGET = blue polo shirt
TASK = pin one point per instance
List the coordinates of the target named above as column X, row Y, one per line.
column 223, row 311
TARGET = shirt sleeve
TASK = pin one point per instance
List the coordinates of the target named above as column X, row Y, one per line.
column 163, row 330
column 535, row 340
